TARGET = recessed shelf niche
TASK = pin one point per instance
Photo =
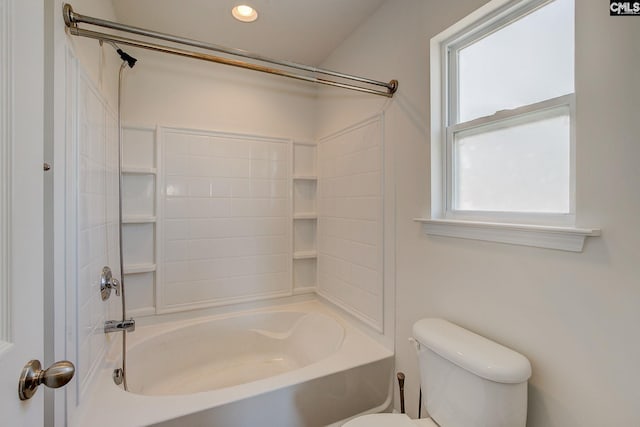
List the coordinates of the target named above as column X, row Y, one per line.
column 139, row 217
column 305, row 184
column 304, row 197
column 138, row 195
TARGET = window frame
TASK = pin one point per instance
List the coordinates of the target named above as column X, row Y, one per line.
column 509, row 230
column 449, row 47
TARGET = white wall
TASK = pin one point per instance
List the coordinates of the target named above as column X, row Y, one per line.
column 575, row 315
column 169, row 91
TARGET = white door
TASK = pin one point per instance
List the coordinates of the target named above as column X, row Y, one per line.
column 21, row 204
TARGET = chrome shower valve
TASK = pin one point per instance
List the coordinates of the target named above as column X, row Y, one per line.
column 107, row 283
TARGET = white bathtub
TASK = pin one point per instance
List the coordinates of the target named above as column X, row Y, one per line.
column 296, row 365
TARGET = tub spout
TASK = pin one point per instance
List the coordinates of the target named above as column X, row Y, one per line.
column 117, row 326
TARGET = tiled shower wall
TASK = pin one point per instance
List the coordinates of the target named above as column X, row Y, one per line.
column 226, row 219
column 92, row 199
column 350, row 235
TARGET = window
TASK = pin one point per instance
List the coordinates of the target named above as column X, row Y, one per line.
column 503, row 143
column 509, row 99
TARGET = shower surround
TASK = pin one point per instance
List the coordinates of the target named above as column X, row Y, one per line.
column 220, row 219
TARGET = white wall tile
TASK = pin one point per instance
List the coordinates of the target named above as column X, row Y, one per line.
column 176, row 143
column 175, row 250
column 140, row 290
column 176, row 208
column 177, row 164
column 176, row 186
column 204, row 166
column 220, row 208
column 241, row 187
column 175, row 228
column 198, row 146
column 227, row 236
column 96, row 231
column 350, row 220
column 226, row 289
column 198, row 187
column 202, row 208
column 221, row 187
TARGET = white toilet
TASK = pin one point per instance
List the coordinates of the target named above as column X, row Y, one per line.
column 467, row 381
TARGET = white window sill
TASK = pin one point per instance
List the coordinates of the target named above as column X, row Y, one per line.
column 541, row 236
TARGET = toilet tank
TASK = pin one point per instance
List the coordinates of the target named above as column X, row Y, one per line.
column 468, row 380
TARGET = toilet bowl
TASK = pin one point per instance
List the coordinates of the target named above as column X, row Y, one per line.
column 467, row 381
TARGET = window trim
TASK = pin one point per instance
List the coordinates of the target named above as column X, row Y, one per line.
column 541, row 236
column 506, row 228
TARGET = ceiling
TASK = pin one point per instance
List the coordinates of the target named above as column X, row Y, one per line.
column 305, row 31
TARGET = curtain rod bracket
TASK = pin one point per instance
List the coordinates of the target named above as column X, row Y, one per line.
column 393, row 86
column 68, row 15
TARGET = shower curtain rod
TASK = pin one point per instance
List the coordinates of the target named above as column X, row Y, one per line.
column 72, row 19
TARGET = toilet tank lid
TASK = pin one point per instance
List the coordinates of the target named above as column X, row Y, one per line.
column 472, row 352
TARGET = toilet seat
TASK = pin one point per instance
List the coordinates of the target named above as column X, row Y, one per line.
column 389, row 420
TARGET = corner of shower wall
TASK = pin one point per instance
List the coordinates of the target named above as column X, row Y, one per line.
column 351, row 221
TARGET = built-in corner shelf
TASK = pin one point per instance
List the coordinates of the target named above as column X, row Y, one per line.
column 133, row 170
column 304, row 188
column 305, row 255
column 305, row 215
column 139, row 268
column 139, row 219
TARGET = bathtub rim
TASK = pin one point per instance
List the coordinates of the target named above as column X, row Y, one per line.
column 129, row 409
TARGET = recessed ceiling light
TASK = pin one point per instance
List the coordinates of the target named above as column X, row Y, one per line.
column 244, row 13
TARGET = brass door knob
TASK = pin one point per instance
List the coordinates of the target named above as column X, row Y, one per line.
column 57, row 375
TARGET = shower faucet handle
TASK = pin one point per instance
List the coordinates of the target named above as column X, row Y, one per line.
column 115, row 284
column 107, row 283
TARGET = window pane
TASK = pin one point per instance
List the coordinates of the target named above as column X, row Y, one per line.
column 522, row 168
column 527, row 61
